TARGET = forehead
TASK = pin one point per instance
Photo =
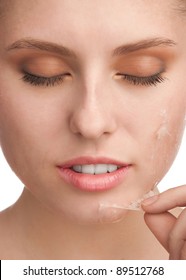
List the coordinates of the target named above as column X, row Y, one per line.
column 88, row 21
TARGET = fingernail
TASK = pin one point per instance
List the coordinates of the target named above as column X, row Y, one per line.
column 150, row 200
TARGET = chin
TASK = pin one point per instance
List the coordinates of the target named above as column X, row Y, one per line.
column 94, row 215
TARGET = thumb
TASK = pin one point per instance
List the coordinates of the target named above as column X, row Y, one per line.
column 161, row 226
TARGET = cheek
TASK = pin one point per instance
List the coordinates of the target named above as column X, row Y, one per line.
column 27, row 131
column 165, row 141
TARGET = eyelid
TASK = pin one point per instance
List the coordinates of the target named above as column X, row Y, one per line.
column 44, row 70
column 141, row 65
column 28, row 72
column 140, row 76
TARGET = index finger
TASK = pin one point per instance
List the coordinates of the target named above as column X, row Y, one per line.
column 169, row 199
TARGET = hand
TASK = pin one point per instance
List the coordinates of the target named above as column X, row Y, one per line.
column 169, row 230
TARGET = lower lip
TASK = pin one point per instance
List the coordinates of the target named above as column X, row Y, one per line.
column 89, row 182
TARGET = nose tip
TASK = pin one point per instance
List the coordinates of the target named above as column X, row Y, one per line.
column 91, row 124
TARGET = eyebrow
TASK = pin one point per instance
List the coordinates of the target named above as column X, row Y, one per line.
column 41, row 46
column 144, row 44
column 29, row 43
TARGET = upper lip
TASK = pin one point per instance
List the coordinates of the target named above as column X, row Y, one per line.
column 92, row 160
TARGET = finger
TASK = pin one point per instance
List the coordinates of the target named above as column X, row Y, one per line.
column 183, row 252
column 165, row 201
column 177, row 238
column 161, row 225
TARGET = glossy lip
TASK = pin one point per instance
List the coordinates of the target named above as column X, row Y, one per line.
column 89, row 182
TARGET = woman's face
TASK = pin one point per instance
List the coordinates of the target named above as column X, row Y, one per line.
column 118, row 93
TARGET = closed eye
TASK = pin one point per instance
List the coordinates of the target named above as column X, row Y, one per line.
column 152, row 80
column 35, row 80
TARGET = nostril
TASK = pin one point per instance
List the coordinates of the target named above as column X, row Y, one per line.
column 91, row 124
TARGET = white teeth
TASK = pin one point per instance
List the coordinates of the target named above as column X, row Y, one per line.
column 112, row 167
column 95, row 168
column 88, row 169
column 77, row 168
column 100, row 168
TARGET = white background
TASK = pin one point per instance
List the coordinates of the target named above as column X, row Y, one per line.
column 11, row 187
column 136, row 269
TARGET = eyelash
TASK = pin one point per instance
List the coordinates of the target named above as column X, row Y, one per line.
column 57, row 80
column 143, row 81
column 43, row 81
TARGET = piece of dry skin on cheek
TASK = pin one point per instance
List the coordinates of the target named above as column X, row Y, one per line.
column 160, row 134
column 163, row 129
column 134, row 205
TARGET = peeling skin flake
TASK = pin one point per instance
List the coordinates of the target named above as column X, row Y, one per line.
column 163, row 129
column 134, row 205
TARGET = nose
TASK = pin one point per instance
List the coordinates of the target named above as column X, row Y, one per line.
column 93, row 116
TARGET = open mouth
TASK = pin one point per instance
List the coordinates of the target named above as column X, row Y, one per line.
column 93, row 173
column 95, row 169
